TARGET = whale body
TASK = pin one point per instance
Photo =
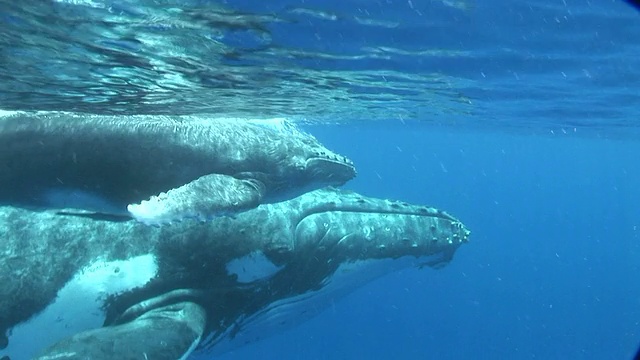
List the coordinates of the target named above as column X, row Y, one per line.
column 158, row 169
column 74, row 286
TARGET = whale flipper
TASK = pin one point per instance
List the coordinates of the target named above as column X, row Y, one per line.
column 203, row 198
column 170, row 332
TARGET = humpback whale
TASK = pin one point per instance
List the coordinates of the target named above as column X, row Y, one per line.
column 74, row 287
column 158, row 169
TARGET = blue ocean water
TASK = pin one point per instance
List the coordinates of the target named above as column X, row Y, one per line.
column 519, row 118
column 548, row 273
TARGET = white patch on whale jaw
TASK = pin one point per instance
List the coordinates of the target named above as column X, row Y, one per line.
column 78, row 306
column 252, row 267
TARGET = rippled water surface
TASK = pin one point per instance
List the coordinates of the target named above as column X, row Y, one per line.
column 563, row 65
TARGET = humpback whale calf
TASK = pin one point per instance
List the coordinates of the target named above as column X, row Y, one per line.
column 77, row 288
column 158, row 169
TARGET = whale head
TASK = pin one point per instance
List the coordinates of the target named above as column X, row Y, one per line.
column 359, row 228
column 315, row 163
column 299, row 164
column 338, row 241
column 329, row 168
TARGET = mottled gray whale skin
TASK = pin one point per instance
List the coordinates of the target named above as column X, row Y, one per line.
column 96, row 289
column 158, row 168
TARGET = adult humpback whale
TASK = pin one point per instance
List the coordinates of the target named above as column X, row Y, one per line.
column 158, row 168
column 102, row 290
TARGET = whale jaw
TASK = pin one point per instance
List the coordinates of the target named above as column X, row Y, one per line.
column 330, row 171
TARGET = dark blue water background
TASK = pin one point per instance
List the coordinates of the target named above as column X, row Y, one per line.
column 549, row 273
column 520, row 118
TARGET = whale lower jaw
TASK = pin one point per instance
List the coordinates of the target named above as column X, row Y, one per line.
column 292, row 311
column 332, row 171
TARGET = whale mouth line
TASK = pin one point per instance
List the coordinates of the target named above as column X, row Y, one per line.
column 337, row 161
column 331, row 170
